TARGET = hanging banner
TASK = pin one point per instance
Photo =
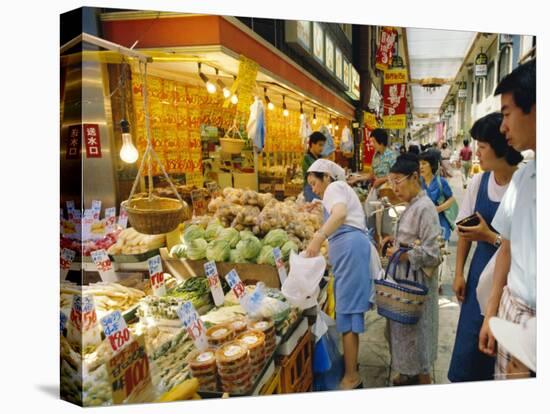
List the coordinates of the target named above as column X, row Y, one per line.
column 481, row 65
column 395, row 99
column 244, row 85
column 384, row 54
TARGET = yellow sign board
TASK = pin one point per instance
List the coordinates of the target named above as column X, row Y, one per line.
column 394, row 76
column 395, row 122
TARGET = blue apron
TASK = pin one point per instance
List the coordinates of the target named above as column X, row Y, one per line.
column 309, row 195
column 468, row 363
column 349, row 255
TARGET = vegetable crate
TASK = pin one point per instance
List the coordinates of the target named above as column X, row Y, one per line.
column 273, row 386
column 297, row 368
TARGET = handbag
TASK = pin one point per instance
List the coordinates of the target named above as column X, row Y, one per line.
column 452, row 212
column 400, row 300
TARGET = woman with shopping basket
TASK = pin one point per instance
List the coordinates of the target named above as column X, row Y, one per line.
column 349, row 255
column 414, row 256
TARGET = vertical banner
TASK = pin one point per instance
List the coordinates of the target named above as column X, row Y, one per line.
column 370, row 125
column 395, row 99
column 384, row 54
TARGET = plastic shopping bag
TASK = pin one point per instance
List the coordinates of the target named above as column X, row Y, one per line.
column 328, row 363
column 301, row 287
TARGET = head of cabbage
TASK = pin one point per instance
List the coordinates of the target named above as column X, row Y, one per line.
column 196, row 250
column 193, row 232
column 218, row 250
column 235, row 257
column 246, row 234
column 249, row 248
column 276, row 238
column 287, row 248
column 213, row 230
column 230, row 235
column 179, row 251
column 266, row 256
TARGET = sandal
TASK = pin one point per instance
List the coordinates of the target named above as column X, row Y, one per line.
column 402, row 379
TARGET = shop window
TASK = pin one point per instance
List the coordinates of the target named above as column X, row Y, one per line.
column 490, row 81
column 504, row 62
column 479, row 90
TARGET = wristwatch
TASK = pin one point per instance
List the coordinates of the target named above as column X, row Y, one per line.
column 498, row 241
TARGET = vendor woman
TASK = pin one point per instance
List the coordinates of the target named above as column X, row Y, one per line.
column 414, row 347
column 349, row 255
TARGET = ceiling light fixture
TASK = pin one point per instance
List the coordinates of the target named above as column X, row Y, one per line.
column 210, row 87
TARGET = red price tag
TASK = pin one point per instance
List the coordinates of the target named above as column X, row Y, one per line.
column 119, row 339
column 83, row 321
column 157, row 280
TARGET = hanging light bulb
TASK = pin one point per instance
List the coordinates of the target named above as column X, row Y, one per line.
column 234, row 99
column 210, row 87
column 225, row 90
column 336, row 127
column 128, row 152
column 314, row 116
column 301, row 111
column 270, row 105
column 285, row 111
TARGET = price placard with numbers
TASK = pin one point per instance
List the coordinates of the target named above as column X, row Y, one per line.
column 129, row 373
column 280, row 263
column 236, row 284
column 83, row 315
column 116, row 331
column 104, row 265
column 213, row 188
column 66, row 259
column 199, row 203
column 211, row 272
column 123, row 218
column 156, row 276
column 193, row 324
column 110, row 219
column 96, row 208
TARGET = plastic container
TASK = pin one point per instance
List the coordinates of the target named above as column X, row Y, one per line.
column 219, row 335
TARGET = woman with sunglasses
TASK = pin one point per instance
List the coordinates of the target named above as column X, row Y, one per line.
column 414, row 347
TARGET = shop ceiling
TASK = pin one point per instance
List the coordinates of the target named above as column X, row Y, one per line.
column 434, row 57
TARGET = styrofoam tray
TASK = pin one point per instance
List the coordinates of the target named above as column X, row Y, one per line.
column 289, row 345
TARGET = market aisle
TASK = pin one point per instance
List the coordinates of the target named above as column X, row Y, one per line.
column 374, row 355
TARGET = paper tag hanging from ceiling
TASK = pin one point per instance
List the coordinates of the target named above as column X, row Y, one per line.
column 244, row 85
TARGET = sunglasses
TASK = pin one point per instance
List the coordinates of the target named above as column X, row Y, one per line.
column 394, row 183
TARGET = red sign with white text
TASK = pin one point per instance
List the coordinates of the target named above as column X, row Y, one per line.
column 384, row 54
column 92, row 140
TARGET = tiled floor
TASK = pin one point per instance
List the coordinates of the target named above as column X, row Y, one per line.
column 374, row 355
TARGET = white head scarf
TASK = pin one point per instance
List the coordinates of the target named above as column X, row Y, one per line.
column 331, row 168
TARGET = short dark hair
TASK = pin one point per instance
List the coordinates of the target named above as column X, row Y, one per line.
column 316, row 137
column 381, row 136
column 430, row 157
column 444, row 145
column 487, row 129
column 406, row 164
column 413, row 149
column 466, row 142
column 522, row 83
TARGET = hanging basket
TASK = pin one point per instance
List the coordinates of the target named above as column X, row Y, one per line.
column 232, row 145
column 157, row 215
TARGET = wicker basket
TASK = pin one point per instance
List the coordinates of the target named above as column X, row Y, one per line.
column 400, row 300
column 156, row 216
column 232, row 145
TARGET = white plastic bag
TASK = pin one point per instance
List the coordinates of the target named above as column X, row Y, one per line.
column 485, row 283
column 301, row 288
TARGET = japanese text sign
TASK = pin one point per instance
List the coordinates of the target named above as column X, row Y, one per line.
column 116, row 331
column 110, row 219
column 236, row 284
column 104, row 265
column 123, row 218
column 74, row 142
column 92, row 140
column 395, row 99
column 193, row 324
column 66, row 259
column 211, row 272
column 279, row 262
column 83, row 315
column 156, row 275
column 384, row 54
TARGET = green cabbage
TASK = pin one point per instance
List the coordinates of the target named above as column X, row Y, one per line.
column 249, row 248
column 179, row 251
column 246, row 234
column 230, row 235
column 196, row 250
column 193, row 232
column 266, row 256
column 287, row 248
column 218, row 250
column 213, row 230
column 236, row 257
column 276, row 238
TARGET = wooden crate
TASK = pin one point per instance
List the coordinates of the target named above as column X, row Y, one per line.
column 297, row 368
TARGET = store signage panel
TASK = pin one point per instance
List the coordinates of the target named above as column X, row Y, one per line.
column 329, row 53
column 481, row 65
column 74, row 142
column 338, row 63
column 346, row 73
column 395, row 99
column 355, row 83
column 298, row 33
column 92, row 140
column 318, row 42
column 384, row 54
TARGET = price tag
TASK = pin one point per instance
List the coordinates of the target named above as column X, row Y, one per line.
column 66, row 259
column 116, row 330
column 193, row 324
column 96, row 208
column 83, row 328
column 279, row 262
column 62, row 321
column 211, row 272
column 156, row 275
column 123, row 218
column 110, row 219
column 129, row 373
column 236, row 284
column 199, row 203
column 104, row 265
column 213, row 188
